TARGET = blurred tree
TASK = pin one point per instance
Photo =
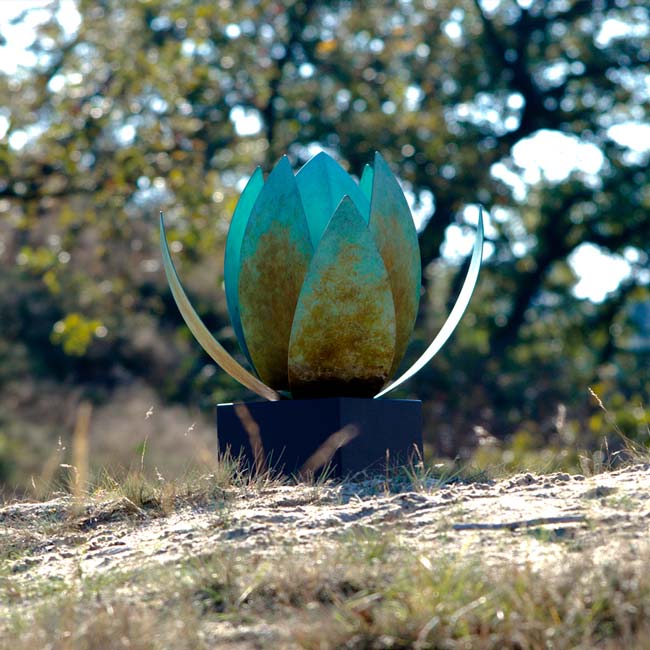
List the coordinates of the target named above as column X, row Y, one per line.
column 171, row 103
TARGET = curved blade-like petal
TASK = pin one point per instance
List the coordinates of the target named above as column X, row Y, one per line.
column 275, row 255
column 365, row 182
column 322, row 183
column 391, row 224
column 343, row 335
column 201, row 332
column 456, row 313
column 232, row 259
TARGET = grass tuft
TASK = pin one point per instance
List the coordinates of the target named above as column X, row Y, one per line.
column 363, row 585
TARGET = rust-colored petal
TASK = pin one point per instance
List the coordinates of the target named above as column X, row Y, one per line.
column 275, row 255
column 343, row 335
column 392, row 227
column 456, row 314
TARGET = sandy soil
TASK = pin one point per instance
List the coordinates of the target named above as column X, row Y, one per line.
column 527, row 519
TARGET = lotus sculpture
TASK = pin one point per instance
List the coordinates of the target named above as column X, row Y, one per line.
column 322, row 281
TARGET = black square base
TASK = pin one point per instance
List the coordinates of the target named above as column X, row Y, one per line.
column 373, row 431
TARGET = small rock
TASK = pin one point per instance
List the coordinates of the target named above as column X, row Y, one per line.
column 524, row 479
column 598, row 492
column 112, row 551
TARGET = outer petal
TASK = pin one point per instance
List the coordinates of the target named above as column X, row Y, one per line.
column 232, row 259
column 275, row 254
column 322, row 183
column 456, row 313
column 343, row 335
column 392, row 226
column 201, row 332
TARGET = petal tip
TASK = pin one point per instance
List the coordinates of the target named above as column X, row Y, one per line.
column 380, row 161
column 322, row 155
column 283, row 164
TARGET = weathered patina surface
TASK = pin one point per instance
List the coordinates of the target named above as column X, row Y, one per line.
column 343, row 336
column 201, row 332
column 393, row 230
column 338, row 321
column 232, row 261
column 455, row 315
column 275, row 255
column 322, row 184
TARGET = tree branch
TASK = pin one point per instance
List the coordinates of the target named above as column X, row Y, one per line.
column 297, row 15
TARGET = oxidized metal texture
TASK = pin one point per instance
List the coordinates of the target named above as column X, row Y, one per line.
column 332, row 323
column 394, row 232
column 456, row 314
column 275, row 255
column 201, row 332
column 322, row 184
column 232, row 260
column 343, row 335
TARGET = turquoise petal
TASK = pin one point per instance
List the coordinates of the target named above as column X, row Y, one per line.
column 322, row 183
column 201, row 332
column 391, row 224
column 232, row 259
column 343, row 334
column 366, row 181
column 275, row 254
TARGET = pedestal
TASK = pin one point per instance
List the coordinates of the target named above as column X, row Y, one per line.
column 302, row 437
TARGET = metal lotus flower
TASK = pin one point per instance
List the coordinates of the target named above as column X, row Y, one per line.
column 322, row 279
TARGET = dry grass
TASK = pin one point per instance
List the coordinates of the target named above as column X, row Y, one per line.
column 360, row 590
column 365, row 592
column 363, row 589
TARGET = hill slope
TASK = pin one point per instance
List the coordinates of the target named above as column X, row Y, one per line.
column 530, row 561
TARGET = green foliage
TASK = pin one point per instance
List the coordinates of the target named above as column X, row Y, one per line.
column 75, row 333
column 8, row 458
column 171, row 104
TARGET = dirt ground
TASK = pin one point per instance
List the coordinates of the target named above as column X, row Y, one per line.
column 528, row 520
column 545, row 523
